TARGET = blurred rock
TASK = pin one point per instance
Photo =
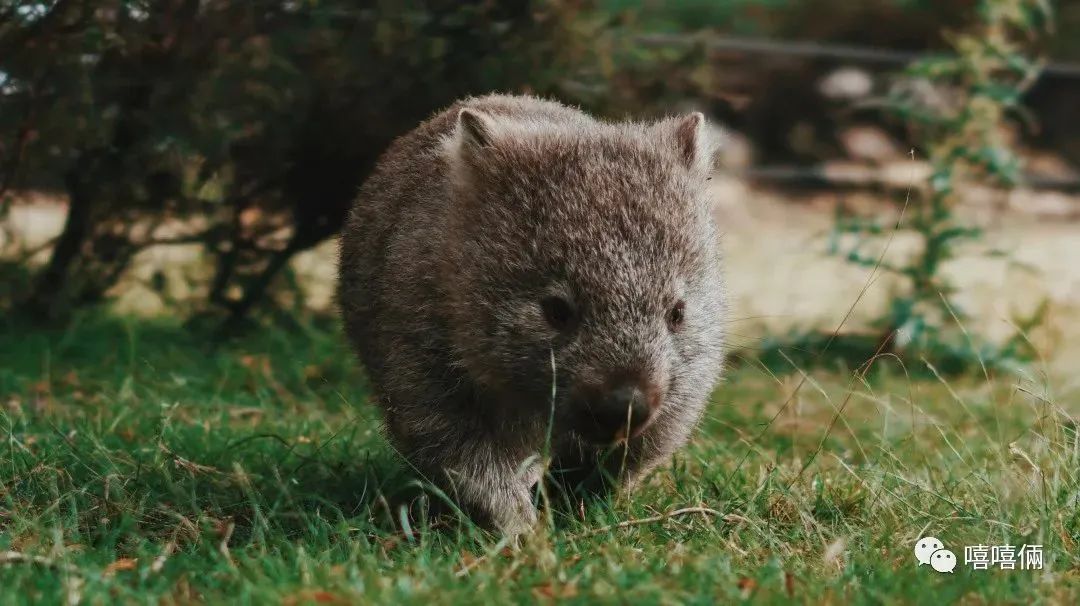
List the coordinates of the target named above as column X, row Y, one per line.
column 870, row 143
column 1044, row 204
column 32, row 221
column 903, row 174
column 1049, row 166
column 846, row 84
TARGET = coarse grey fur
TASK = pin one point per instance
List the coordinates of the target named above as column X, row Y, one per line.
column 475, row 217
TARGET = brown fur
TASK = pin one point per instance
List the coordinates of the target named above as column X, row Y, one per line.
column 473, row 219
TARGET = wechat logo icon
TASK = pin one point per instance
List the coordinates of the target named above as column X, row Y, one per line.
column 929, row 550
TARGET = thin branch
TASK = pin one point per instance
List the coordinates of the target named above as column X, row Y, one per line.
column 464, row 570
column 10, row 167
column 651, row 519
column 159, row 562
column 29, row 253
column 191, row 466
column 197, row 238
column 223, row 546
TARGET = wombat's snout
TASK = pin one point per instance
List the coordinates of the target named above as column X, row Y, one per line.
column 616, row 410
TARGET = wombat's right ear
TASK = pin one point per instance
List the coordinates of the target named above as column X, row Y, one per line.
column 691, row 139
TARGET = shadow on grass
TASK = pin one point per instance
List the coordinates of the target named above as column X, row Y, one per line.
column 170, row 481
column 148, row 427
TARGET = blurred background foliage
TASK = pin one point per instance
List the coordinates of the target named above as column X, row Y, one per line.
column 257, row 121
column 247, row 127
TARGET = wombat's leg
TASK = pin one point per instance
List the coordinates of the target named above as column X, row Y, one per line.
column 492, row 487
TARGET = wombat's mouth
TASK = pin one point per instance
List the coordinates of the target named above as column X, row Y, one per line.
column 600, row 434
column 614, row 420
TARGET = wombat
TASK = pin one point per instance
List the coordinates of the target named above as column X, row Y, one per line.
column 521, row 280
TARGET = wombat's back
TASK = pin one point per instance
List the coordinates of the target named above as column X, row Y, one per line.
column 392, row 241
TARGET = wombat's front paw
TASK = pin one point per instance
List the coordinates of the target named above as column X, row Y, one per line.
column 515, row 522
column 508, row 510
column 496, row 496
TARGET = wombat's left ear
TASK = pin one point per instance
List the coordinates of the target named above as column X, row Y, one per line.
column 692, row 140
column 463, row 148
column 475, row 129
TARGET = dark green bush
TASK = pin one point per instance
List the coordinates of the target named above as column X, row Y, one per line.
column 263, row 117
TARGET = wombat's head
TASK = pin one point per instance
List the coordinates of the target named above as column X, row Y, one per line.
column 583, row 268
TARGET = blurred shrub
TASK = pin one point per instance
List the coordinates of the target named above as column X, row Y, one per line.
column 255, row 122
column 958, row 108
column 246, row 127
column 772, row 97
column 907, row 23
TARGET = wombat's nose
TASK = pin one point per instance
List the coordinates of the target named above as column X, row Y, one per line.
column 625, row 410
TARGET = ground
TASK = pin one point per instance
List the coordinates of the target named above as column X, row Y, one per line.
column 143, row 465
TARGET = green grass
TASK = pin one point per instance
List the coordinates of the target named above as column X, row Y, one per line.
column 141, row 465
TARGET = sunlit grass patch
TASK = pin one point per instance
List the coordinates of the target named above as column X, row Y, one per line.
column 143, row 464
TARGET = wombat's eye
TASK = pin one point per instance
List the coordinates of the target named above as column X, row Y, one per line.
column 676, row 316
column 559, row 313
